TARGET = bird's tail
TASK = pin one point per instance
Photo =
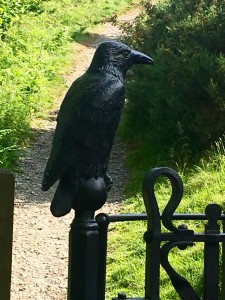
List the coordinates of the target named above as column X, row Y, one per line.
column 63, row 199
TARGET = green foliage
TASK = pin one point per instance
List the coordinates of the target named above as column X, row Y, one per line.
column 11, row 11
column 178, row 105
column 25, row 77
column 203, row 184
column 35, row 43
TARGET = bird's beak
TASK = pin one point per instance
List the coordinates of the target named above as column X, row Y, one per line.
column 140, row 58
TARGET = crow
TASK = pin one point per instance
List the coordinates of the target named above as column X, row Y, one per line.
column 87, row 122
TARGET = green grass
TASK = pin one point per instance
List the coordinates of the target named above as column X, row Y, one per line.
column 35, row 47
column 203, row 184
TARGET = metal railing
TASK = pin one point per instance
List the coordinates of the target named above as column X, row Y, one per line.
column 158, row 245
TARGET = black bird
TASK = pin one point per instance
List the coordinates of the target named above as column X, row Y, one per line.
column 87, row 122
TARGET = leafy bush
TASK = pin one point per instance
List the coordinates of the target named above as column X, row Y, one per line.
column 177, row 106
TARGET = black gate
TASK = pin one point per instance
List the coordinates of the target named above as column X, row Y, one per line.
column 87, row 276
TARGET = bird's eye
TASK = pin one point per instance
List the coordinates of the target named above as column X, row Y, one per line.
column 126, row 53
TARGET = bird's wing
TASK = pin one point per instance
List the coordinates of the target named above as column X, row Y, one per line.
column 86, row 124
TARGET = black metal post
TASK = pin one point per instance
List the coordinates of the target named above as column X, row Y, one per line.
column 211, row 254
column 83, row 257
column 84, row 241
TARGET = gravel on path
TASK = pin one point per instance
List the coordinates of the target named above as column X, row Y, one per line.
column 40, row 243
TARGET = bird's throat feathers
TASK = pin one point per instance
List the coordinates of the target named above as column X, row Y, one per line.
column 107, row 69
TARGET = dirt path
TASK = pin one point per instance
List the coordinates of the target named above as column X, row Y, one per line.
column 41, row 241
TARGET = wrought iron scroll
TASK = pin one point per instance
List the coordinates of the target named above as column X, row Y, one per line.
column 153, row 235
column 181, row 237
column 182, row 286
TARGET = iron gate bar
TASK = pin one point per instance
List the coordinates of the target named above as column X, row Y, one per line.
column 211, row 253
column 176, row 216
column 103, row 223
column 196, row 237
column 166, row 236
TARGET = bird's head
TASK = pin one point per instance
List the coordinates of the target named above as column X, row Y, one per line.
column 116, row 55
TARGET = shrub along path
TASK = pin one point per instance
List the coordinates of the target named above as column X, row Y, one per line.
column 40, row 249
